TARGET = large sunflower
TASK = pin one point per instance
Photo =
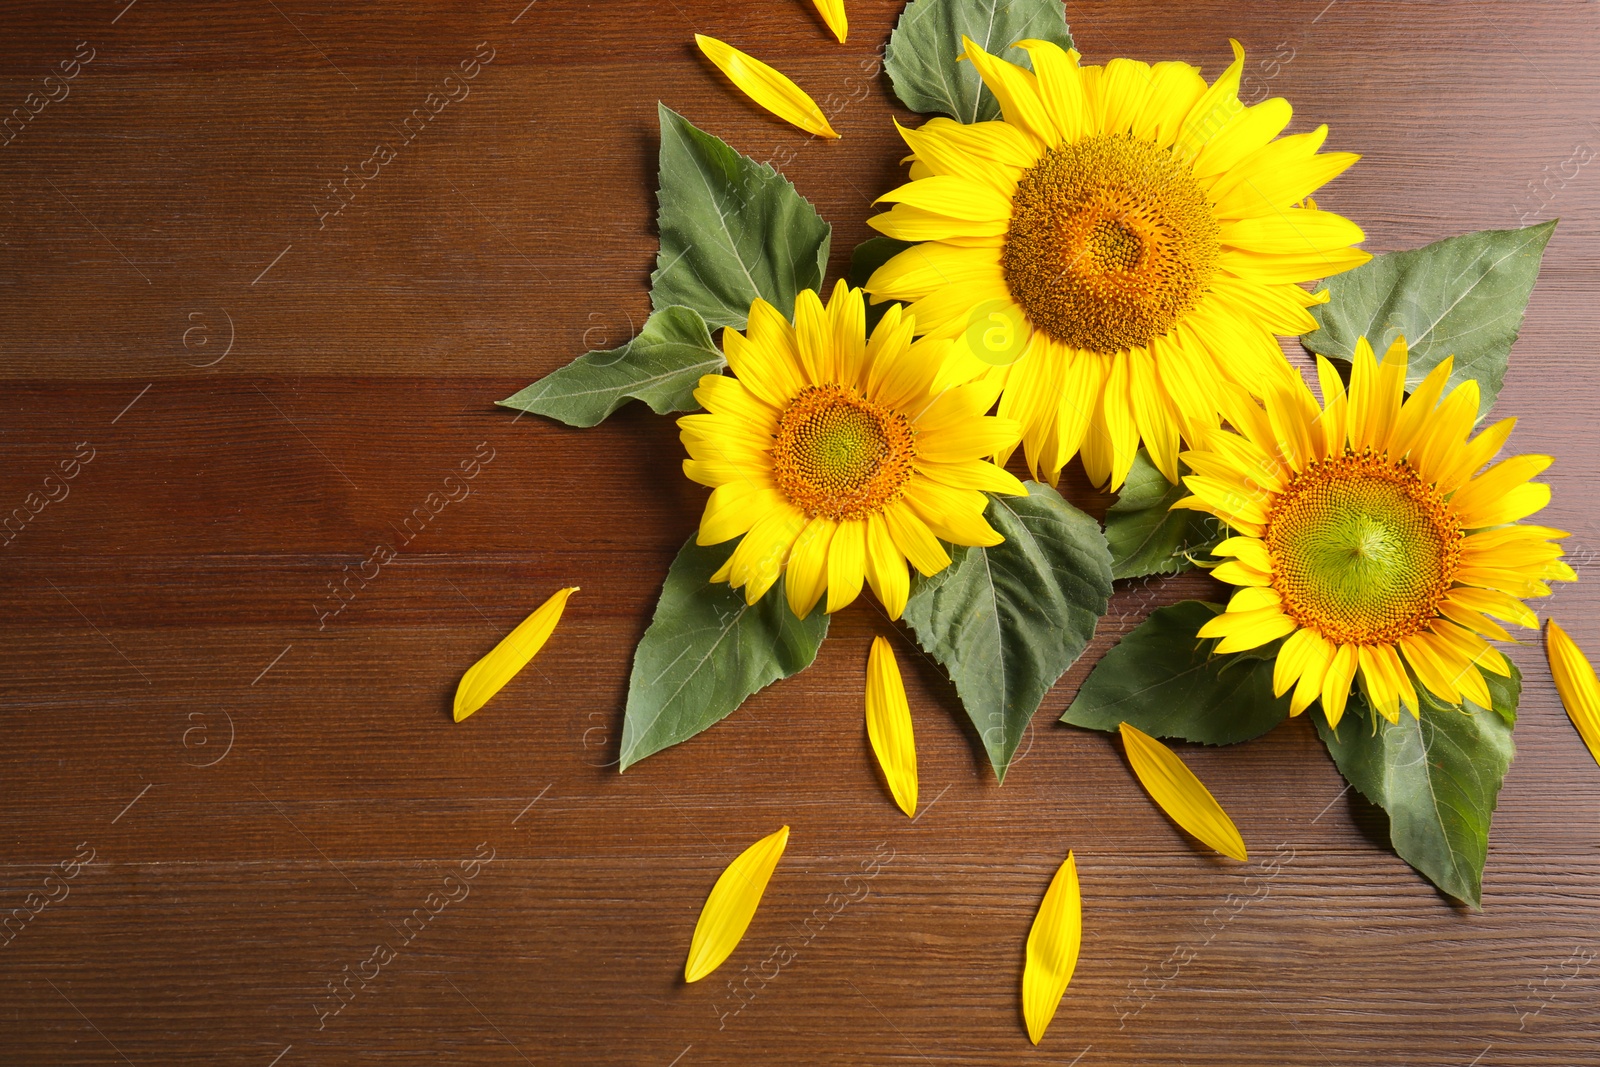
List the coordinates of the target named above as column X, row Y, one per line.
column 837, row 458
column 1367, row 537
column 1141, row 231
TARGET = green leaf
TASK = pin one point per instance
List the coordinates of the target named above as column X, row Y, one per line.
column 1145, row 536
column 1463, row 296
column 1164, row 680
column 921, row 57
column 867, row 257
column 1008, row 621
column 707, row 650
column 732, row 230
column 1437, row 777
column 661, row 366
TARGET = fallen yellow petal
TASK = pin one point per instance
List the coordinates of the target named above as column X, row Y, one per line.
column 732, row 904
column 1052, row 950
column 1180, row 794
column 1575, row 681
column 832, row 12
column 766, row 86
column 489, row 675
column 889, row 725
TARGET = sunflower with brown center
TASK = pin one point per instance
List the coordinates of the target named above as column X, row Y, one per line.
column 1369, row 538
column 1124, row 241
column 839, row 458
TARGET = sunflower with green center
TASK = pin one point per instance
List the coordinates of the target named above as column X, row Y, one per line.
column 839, row 458
column 1369, row 539
column 1143, row 231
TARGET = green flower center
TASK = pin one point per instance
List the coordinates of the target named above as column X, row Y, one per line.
column 839, row 455
column 1362, row 550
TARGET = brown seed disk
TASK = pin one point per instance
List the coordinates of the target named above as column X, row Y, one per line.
column 841, row 456
column 1112, row 241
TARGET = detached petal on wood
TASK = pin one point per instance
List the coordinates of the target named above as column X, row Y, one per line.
column 1180, row 794
column 732, row 904
column 889, row 725
column 832, row 12
column 1052, row 950
column 766, row 86
column 1575, row 681
column 489, row 675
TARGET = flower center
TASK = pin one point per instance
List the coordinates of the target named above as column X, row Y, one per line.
column 839, row 455
column 1362, row 549
column 1112, row 241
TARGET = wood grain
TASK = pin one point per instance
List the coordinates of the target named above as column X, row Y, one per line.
column 271, row 790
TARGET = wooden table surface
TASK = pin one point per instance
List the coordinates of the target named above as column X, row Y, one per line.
column 251, row 792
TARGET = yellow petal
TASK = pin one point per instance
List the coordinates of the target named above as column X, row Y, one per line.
column 1052, row 949
column 847, row 563
column 1016, row 89
column 489, row 675
column 807, row 573
column 1180, row 794
column 1575, row 681
column 1336, row 679
column 889, row 725
column 732, row 904
column 886, row 567
column 766, row 86
column 832, row 12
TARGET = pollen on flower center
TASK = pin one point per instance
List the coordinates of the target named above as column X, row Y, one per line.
column 1362, row 550
column 839, row 455
column 1111, row 242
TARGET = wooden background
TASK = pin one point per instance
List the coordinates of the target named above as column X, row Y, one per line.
column 268, row 791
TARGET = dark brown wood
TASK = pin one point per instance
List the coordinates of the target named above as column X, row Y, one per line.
column 269, row 791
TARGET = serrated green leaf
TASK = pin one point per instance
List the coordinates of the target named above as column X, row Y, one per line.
column 661, row 366
column 732, row 230
column 1463, row 296
column 1007, row 621
column 706, row 651
column 1145, row 535
column 867, row 257
column 921, row 57
column 1164, row 680
column 1438, row 778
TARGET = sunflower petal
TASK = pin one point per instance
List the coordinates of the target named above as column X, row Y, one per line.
column 832, row 12
column 489, row 675
column 1336, row 679
column 1016, row 89
column 1576, row 682
column 886, row 567
column 1180, row 794
column 1052, row 949
column 727, row 912
column 766, row 86
column 889, row 725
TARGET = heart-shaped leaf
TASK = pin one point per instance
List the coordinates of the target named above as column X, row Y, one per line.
column 732, row 230
column 921, row 57
column 1438, row 777
column 661, row 366
column 1463, row 297
column 707, row 650
column 1145, row 535
column 1007, row 621
column 1165, row 681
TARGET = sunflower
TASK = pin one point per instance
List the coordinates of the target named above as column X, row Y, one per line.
column 1367, row 537
column 1124, row 240
column 840, row 458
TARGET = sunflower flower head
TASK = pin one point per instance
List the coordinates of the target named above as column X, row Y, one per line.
column 1146, row 229
column 1368, row 537
column 839, row 458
